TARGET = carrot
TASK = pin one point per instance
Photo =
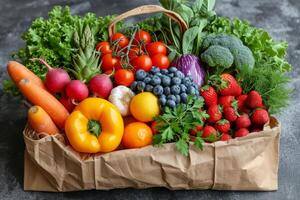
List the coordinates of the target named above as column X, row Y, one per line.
column 40, row 97
column 17, row 72
column 40, row 121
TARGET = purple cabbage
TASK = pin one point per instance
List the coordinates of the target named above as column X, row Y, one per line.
column 191, row 65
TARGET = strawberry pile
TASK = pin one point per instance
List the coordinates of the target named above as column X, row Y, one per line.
column 231, row 113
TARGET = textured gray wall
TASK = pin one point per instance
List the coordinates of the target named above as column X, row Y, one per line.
column 280, row 17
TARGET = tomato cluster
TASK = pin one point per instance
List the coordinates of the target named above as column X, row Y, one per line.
column 126, row 55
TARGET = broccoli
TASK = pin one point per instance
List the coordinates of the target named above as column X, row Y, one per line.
column 237, row 54
column 218, row 56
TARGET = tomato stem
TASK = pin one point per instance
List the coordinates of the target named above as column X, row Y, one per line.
column 94, row 127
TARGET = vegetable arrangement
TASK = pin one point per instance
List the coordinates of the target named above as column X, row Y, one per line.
column 217, row 80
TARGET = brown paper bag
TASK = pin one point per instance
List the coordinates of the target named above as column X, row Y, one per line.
column 247, row 163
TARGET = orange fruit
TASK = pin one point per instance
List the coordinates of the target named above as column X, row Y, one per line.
column 136, row 135
column 144, row 107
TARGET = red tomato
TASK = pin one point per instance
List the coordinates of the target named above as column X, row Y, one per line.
column 108, row 62
column 109, row 72
column 156, row 48
column 124, row 77
column 135, row 52
column 142, row 37
column 119, row 39
column 142, row 62
column 103, row 47
column 161, row 61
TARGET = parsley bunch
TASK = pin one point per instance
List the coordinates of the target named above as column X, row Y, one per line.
column 174, row 125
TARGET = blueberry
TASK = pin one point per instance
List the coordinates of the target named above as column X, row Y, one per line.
column 177, row 99
column 133, row 86
column 162, row 101
column 171, row 97
column 155, row 80
column 158, row 90
column 187, row 81
column 159, row 74
column 154, row 70
column 191, row 90
column 148, row 88
column 183, row 88
column 183, row 97
column 140, row 86
column 176, row 81
column 172, row 69
column 140, row 75
column 147, row 80
column 171, row 75
column 179, row 74
column 166, row 81
column 164, row 71
column 167, row 91
column 175, row 89
column 171, row 103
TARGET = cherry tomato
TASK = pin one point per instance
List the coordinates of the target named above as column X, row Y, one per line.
column 120, row 39
column 103, row 47
column 124, row 77
column 161, row 61
column 154, row 125
column 142, row 62
column 109, row 72
column 135, row 52
column 108, row 62
column 120, row 64
column 156, row 48
column 141, row 37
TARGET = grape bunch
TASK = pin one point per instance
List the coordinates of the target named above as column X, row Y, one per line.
column 171, row 86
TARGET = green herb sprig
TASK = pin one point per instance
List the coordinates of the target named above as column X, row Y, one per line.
column 174, row 125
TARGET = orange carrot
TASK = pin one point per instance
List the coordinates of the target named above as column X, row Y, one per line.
column 40, row 97
column 17, row 72
column 40, row 121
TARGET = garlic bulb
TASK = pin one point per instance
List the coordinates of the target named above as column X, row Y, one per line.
column 121, row 96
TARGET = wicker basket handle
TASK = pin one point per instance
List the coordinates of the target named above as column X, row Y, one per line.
column 146, row 9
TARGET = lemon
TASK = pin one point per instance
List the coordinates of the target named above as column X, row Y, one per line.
column 144, row 106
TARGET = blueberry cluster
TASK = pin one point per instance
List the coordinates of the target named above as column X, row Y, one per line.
column 169, row 85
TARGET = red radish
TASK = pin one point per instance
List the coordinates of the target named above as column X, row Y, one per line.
column 77, row 90
column 101, row 85
column 56, row 78
column 67, row 103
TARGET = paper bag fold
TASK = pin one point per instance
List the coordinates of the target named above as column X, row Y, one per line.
column 247, row 163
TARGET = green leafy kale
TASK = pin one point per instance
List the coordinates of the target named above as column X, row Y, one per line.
column 174, row 125
column 52, row 39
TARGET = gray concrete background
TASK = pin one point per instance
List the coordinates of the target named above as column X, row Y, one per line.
column 280, row 17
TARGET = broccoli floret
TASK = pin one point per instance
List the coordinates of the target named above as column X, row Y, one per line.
column 243, row 59
column 217, row 56
column 229, row 41
column 241, row 56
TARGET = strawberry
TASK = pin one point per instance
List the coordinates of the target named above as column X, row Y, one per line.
column 242, row 121
column 230, row 114
column 230, row 87
column 241, row 103
column 226, row 101
column 260, row 117
column 208, row 131
column 209, row 95
column 222, row 125
column 196, row 129
column 225, row 137
column 254, row 100
column 241, row 132
column 215, row 113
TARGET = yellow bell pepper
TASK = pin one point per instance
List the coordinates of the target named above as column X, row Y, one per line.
column 94, row 126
